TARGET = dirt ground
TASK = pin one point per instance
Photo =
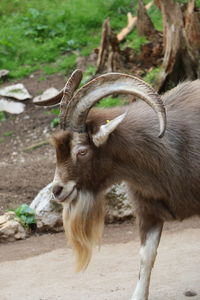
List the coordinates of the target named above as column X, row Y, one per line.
column 41, row 267
column 24, row 172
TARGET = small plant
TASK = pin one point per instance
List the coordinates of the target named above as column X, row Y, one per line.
column 55, row 122
column 8, row 133
column 25, row 215
column 55, row 111
column 151, row 76
column 2, row 116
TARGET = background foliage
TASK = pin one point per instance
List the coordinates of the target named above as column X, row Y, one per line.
column 49, row 35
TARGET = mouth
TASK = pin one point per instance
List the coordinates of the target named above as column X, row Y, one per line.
column 68, row 196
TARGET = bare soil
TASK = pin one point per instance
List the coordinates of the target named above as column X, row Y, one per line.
column 42, row 267
column 24, row 172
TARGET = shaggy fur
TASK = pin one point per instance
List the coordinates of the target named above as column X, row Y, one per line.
column 163, row 174
column 83, row 223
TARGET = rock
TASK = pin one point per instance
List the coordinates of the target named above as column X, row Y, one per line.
column 16, row 91
column 119, row 206
column 48, row 212
column 10, row 228
column 4, row 73
column 51, row 92
column 190, row 294
column 7, row 217
column 11, row 106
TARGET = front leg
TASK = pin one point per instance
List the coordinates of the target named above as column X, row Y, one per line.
column 150, row 232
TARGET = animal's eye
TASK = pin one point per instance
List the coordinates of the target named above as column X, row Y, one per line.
column 82, row 152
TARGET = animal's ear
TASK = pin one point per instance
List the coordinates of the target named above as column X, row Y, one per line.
column 105, row 130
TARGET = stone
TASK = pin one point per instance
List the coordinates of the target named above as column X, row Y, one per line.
column 4, row 73
column 11, row 106
column 10, row 228
column 48, row 212
column 16, row 91
column 190, row 294
column 118, row 202
column 51, row 92
column 6, row 217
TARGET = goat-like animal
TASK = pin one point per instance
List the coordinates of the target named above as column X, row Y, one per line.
column 99, row 147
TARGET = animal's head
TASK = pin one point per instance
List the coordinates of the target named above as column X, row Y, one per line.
column 82, row 164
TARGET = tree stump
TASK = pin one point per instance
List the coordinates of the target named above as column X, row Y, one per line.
column 176, row 50
column 144, row 24
column 181, row 43
column 109, row 55
column 131, row 23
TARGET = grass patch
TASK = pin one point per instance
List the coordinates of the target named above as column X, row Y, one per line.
column 8, row 133
column 63, row 63
column 2, row 116
column 55, row 111
column 135, row 41
column 151, row 76
column 55, row 122
column 40, row 32
column 110, row 102
column 49, row 35
column 89, row 72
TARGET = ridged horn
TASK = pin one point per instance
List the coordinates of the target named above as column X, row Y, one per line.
column 68, row 91
column 64, row 96
column 105, row 85
column 49, row 101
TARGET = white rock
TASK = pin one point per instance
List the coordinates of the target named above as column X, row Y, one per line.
column 3, row 73
column 11, row 106
column 10, row 228
column 26, row 117
column 6, row 217
column 17, row 91
column 48, row 212
column 51, row 92
column 118, row 201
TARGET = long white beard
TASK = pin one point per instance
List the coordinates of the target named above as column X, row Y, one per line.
column 83, row 222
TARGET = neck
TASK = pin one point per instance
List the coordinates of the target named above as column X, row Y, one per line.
column 138, row 155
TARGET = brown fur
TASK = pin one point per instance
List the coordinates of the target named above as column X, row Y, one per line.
column 163, row 174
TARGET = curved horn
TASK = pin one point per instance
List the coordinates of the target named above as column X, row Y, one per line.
column 70, row 86
column 107, row 84
column 49, row 101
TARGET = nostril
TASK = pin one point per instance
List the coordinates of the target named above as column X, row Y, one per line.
column 57, row 190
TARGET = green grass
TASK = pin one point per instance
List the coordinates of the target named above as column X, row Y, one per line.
column 186, row 1
column 2, row 116
column 151, row 76
column 49, row 35
column 52, row 33
column 8, row 133
column 110, row 102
